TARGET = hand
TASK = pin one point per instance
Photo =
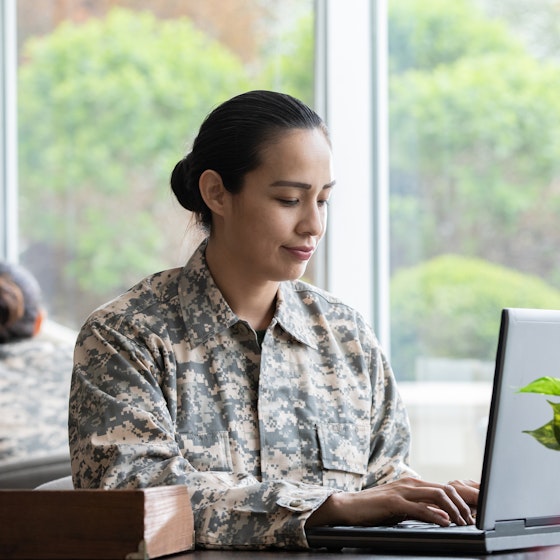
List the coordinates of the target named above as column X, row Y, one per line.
column 407, row 498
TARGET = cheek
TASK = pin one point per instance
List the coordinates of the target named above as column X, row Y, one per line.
column 268, row 222
column 324, row 220
column 260, row 221
column 258, row 229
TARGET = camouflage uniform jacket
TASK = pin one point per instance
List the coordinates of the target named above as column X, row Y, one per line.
column 34, row 386
column 171, row 387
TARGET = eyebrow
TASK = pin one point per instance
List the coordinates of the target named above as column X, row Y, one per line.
column 299, row 185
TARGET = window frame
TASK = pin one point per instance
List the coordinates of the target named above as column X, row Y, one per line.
column 8, row 132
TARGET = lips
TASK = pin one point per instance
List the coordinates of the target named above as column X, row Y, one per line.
column 301, row 253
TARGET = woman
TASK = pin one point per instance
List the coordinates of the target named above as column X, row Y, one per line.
column 269, row 398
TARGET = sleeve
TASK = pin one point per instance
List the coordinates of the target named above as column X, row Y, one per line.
column 122, row 434
column 390, row 430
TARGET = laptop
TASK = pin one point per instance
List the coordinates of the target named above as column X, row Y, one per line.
column 519, row 501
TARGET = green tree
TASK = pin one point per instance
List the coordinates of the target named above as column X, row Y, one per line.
column 449, row 307
column 538, row 23
column 475, row 149
column 424, row 35
column 475, row 133
column 292, row 70
column 106, row 109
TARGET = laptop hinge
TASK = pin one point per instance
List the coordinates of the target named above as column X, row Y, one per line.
column 542, row 521
column 510, row 527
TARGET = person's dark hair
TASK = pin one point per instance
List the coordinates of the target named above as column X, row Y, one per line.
column 20, row 302
column 231, row 140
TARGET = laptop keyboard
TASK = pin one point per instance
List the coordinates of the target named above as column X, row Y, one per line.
column 422, row 525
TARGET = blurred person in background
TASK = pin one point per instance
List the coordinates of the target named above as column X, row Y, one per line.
column 35, row 371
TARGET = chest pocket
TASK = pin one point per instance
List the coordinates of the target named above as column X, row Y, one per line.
column 344, row 452
column 209, row 451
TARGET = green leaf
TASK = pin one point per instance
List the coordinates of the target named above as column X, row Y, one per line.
column 543, row 385
column 556, row 422
column 545, row 435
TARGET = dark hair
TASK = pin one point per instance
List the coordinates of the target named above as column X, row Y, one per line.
column 230, row 142
column 20, row 302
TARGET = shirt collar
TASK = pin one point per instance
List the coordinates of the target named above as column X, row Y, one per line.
column 293, row 316
column 206, row 312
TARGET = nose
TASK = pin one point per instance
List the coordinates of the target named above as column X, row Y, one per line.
column 313, row 221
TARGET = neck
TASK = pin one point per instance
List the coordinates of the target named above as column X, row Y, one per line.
column 251, row 300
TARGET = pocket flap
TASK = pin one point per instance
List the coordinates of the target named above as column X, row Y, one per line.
column 208, row 451
column 344, row 446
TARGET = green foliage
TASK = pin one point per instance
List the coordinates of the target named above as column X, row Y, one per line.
column 292, row 70
column 449, row 307
column 549, row 434
column 482, row 140
column 544, row 386
column 475, row 137
column 479, row 112
column 106, row 109
column 424, row 35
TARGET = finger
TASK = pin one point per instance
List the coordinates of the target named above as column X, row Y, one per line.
column 440, row 516
column 429, row 514
column 467, row 489
column 461, row 512
column 461, row 504
column 465, row 482
column 445, row 498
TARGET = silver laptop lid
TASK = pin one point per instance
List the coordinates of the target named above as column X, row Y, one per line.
column 522, row 458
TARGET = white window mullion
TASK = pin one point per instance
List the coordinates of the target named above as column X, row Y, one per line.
column 380, row 159
column 8, row 132
column 351, row 94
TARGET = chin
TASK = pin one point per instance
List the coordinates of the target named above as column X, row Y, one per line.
column 297, row 274
column 286, row 275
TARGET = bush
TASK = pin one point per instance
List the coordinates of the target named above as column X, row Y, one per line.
column 449, row 307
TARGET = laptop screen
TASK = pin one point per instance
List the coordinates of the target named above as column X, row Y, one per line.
column 521, row 473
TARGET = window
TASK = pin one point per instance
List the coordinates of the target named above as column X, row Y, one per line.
column 446, row 132
column 474, row 125
column 109, row 97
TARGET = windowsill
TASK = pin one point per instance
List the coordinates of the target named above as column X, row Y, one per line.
column 448, row 425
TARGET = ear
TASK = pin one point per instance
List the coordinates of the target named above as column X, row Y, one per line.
column 213, row 191
column 38, row 322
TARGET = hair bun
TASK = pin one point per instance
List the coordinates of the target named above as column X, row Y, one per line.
column 12, row 305
column 181, row 179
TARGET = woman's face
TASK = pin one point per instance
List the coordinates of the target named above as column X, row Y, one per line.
column 273, row 225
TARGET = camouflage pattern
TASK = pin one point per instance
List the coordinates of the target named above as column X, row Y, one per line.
column 34, row 386
column 170, row 387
